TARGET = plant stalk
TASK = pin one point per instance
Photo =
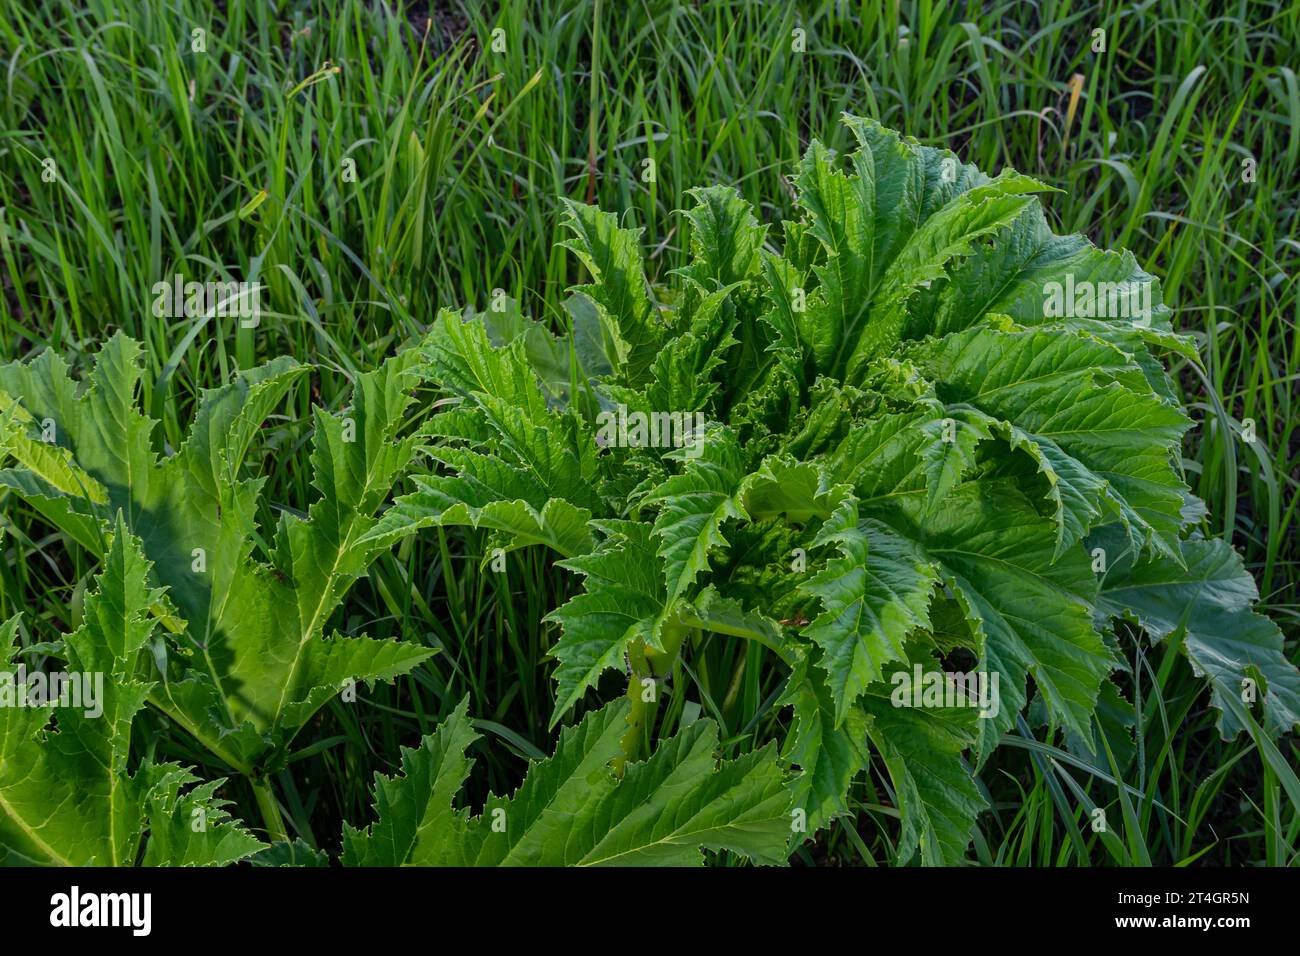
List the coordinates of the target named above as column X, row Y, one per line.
column 645, row 662
column 270, row 807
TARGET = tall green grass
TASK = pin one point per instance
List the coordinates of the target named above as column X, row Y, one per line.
column 229, row 163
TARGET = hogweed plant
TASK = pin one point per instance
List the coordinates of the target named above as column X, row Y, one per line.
column 922, row 455
column 67, row 794
column 233, row 649
column 922, row 429
column 243, row 661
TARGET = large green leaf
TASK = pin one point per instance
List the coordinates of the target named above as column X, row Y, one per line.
column 612, row 255
column 1031, row 610
column 515, row 466
column 1105, row 447
column 622, row 601
column 923, row 748
column 693, row 506
column 829, row 752
column 1208, row 605
column 67, row 795
column 873, row 597
column 249, row 665
column 571, row 810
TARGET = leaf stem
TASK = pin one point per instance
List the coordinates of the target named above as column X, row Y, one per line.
column 647, row 663
column 270, row 807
